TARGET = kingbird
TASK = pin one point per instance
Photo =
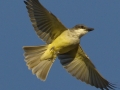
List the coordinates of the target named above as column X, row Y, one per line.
column 63, row 43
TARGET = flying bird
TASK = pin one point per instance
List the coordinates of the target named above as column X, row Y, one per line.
column 63, row 43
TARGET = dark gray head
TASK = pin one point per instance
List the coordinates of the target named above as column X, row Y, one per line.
column 81, row 29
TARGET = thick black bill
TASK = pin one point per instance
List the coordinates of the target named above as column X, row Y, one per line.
column 90, row 29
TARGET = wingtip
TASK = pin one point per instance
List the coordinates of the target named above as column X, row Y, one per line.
column 25, row 2
column 113, row 86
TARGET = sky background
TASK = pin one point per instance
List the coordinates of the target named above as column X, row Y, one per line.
column 102, row 45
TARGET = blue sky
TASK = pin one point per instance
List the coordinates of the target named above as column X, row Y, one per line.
column 102, row 45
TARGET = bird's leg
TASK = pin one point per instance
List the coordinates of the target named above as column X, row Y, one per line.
column 54, row 52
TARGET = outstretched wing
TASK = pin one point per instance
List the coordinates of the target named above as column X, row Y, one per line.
column 46, row 25
column 79, row 65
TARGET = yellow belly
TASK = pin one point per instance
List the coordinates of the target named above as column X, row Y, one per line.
column 61, row 44
column 64, row 43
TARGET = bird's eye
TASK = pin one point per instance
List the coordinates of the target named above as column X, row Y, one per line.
column 82, row 27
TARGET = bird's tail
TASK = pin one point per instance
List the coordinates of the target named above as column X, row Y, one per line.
column 32, row 58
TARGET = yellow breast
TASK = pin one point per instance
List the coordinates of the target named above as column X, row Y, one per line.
column 64, row 42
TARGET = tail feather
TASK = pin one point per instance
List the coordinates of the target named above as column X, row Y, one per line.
column 32, row 58
column 45, row 67
column 49, row 64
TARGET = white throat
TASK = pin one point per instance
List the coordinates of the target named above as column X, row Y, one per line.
column 80, row 32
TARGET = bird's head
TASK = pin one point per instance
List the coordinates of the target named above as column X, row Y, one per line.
column 81, row 30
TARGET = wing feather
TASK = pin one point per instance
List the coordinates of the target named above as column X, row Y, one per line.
column 46, row 25
column 77, row 63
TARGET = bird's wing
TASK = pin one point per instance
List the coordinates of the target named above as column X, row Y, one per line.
column 46, row 25
column 79, row 65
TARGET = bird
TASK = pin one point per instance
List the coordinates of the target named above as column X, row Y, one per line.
column 63, row 43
